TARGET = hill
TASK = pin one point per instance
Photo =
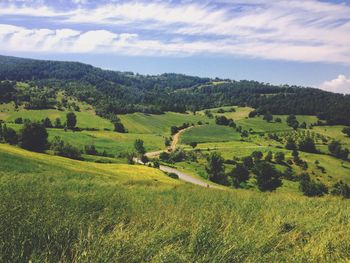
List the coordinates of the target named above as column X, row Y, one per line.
column 87, row 213
column 113, row 92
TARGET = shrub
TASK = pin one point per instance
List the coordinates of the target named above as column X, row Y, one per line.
column 310, row 188
column 307, row 145
column 341, row 189
column 10, row 135
column 91, row 149
column 173, row 175
column 71, row 120
column 19, row 120
column 267, row 177
column 239, row 175
column 34, row 137
column 279, row 157
column 59, row 147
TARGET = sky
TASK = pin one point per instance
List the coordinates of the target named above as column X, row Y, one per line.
column 301, row 42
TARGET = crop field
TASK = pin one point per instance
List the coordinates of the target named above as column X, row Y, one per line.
column 158, row 124
column 209, row 133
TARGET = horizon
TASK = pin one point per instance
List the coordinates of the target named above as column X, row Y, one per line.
column 294, row 43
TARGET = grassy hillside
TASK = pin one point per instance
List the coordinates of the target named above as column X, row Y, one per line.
column 86, row 118
column 88, row 213
column 158, row 124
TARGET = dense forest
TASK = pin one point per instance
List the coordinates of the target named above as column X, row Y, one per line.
column 113, row 92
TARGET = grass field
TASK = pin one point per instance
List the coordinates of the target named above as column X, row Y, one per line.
column 209, row 133
column 85, row 119
column 238, row 114
column 54, row 209
column 158, row 124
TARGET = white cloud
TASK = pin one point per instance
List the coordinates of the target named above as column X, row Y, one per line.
column 339, row 85
column 297, row 30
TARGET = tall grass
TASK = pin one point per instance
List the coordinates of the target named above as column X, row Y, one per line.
column 51, row 215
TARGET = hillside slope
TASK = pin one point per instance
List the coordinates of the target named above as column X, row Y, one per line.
column 53, row 209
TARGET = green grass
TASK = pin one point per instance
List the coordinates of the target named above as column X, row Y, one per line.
column 209, row 133
column 85, row 119
column 240, row 112
column 58, row 210
column 158, row 124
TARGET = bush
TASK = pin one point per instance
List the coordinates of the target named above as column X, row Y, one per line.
column 310, row 188
column 239, row 175
column 267, row 177
column 34, row 137
column 59, row 147
column 341, row 189
column 19, row 120
column 71, row 120
column 10, row 135
column 91, row 149
column 173, row 175
column 279, row 157
column 119, row 127
column 336, row 150
column 307, row 145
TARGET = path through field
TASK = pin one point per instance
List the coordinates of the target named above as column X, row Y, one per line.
column 183, row 176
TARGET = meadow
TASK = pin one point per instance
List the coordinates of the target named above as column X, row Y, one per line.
column 86, row 212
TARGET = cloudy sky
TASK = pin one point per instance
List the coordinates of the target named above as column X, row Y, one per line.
column 303, row 42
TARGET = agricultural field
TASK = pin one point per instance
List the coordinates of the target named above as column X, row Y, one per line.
column 209, row 133
column 158, row 124
column 86, row 117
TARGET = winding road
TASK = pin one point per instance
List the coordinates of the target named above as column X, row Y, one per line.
column 183, row 176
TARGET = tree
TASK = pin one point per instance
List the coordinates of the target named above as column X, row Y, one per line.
column 119, row 127
column 307, row 145
column 215, row 168
column 144, row 159
column 10, row 135
column 91, row 149
column 71, row 120
column 291, row 145
column 310, row 188
column 193, row 144
column 336, row 150
column 47, row 123
column 279, row 157
column 267, row 177
column 239, row 175
column 346, row 131
column 138, row 145
column 268, row 157
column 167, row 142
column 19, row 120
column 58, row 123
column 292, row 121
column 174, row 130
column 295, row 155
column 248, row 162
column 341, row 189
column 278, row 120
column 59, row 147
column 303, row 125
column 34, row 137
column 257, row 155
column 1, row 132
column 268, row 116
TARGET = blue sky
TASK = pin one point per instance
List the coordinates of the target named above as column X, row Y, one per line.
column 303, row 42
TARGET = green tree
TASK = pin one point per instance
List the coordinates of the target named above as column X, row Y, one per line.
column 307, row 145
column 239, row 175
column 215, row 168
column 47, row 123
column 248, row 162
column 119, row 127
column 279, row 157
column 292, row 121
column 346, row 131
column 58, row 123
column 71, row 120
column 268, row 116
column 291, row 145
column 268, row 157
column 310, row 188
column 193, row 144
column 257, row 156
column 335, row 148
column 267, row 177
column 139, row 147
column 10, row 135
column 34, row 137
